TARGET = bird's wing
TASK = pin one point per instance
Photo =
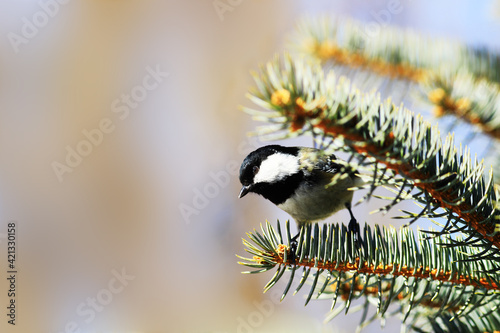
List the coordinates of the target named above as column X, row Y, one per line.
column 313, row 161
column 317, row 163
column 327, row 163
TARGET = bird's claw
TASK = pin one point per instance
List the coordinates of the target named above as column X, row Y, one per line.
column 355, row 230
column 293, row 248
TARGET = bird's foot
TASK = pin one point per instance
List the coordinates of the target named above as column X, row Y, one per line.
column 293, row 248
column 355, row 230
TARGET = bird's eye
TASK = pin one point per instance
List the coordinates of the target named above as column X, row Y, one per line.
column 255, row 169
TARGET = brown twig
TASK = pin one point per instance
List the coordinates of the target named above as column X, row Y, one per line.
column 394, row 270
column 464, row 210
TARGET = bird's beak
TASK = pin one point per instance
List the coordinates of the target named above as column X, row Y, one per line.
column 244, row 191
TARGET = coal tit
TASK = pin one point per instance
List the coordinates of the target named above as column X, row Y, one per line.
column 298, row 180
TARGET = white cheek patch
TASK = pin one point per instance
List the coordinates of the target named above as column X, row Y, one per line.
column 276, row 167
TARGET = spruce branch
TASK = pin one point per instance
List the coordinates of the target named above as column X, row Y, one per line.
column 390, row 51
column 298, row 97
column 476, row 101
column 457, row 79
column 421, row 277
column 349, row 43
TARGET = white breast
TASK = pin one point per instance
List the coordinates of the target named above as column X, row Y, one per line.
column 314, row 203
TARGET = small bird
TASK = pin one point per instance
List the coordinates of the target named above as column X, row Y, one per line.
column 299, row 181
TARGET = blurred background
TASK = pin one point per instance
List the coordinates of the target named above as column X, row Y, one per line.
column 139, row 232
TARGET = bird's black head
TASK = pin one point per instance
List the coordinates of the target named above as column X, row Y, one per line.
column 271, row 171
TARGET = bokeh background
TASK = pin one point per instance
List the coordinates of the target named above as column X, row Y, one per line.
column 120, row 209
